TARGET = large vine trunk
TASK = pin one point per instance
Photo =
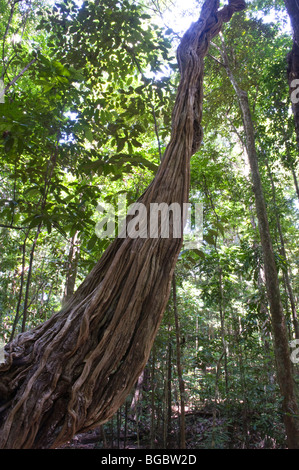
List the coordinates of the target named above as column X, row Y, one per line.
column 74, row 371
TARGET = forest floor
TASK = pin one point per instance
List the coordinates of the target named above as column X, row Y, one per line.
column 203, row 431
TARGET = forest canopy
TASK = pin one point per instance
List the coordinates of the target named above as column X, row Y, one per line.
column 87, row 91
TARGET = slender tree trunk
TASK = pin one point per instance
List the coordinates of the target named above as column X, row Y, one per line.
column 137, row 429
column 293, row 79
column 137, row 396
column 281, row 346
column 126, row 424
column 292, row 7
column 244, row 387
column 28, row 282
column 17, row 315
column 266, row 336
column 73, row 372
column 293, row 72
column 216, row 396
column 118, row 417
column 72, row 265
column 283, row 253
column 179, row 368
column 221, row 312
column 167, row 393
column 42, row 203
column 295, row 180
column 153, row 408
column 112, row 432
column 103, row 435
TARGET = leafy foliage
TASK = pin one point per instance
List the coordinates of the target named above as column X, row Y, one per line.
column 86, row 117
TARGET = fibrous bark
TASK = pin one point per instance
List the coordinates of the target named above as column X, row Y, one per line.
column 74, row 371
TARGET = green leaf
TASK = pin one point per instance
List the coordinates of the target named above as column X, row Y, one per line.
column 89, row 135
column 120, row 144
column 92, row 242
column 209, row 239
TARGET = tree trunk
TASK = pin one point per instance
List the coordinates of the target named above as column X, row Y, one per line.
column 281, row 346
column 135, row 404
column 20, row 296
column 295, row 181
column 72, row 265
column 153, row 390
column 221, row 312
column 293, row 79
column 216, row 396
column 28, row 282
column 74, row 371
column 167, row 394
column 284, row 255
column 293, row 61
column 179, row 368
column 126, row 424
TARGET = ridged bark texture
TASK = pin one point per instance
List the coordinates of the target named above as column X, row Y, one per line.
column 73, row 372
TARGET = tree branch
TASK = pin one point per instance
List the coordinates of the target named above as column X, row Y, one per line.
column 216, row 60
column 10, row 84
column 13, row 227
column 5, row 34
